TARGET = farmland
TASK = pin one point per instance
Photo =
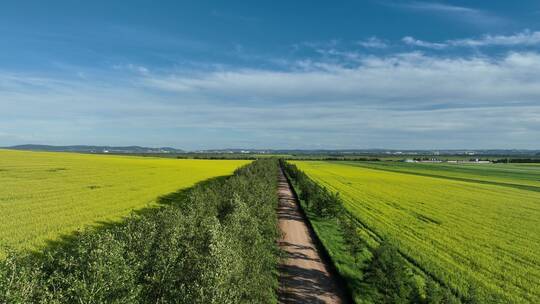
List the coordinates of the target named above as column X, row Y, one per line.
column 44, row 195
column 521, row 176
column 464, row 226
column 397, row 232
column 215, row 242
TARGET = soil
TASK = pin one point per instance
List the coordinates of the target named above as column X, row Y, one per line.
column 305, row 277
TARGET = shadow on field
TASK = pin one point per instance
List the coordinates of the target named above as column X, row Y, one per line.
column 175, row 199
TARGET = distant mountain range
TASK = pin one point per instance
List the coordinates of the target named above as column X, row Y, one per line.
column 96, row 149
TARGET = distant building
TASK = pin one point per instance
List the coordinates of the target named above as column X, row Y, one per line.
column 408, row 160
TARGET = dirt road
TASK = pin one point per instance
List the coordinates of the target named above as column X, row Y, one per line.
column 304, row 276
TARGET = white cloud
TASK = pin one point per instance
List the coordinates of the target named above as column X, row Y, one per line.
column 468, row 15
column 373, row 42
column 132, row 67
column 438, row 7
column 407, row 100
column 395, row 79
column 425, row 44
column 524, row 38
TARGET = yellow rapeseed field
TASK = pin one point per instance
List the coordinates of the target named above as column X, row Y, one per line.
column 44, row 195
column 457, row 231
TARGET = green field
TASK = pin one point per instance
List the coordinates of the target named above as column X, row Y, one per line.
column 459, row 224
column 521, row 176
column 44, row 195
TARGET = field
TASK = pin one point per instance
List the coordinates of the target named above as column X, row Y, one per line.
column 521, row 176
column 469, row 230
column 461, row 225
column 216, row 235
column 44, row 195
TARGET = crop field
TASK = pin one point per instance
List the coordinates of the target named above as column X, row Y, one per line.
column 461, row 225
column 522, row 176
column 44, row 195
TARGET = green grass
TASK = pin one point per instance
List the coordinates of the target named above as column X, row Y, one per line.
column 44, row 195
column 328, row 231
column 459, row 229
column 522, row 176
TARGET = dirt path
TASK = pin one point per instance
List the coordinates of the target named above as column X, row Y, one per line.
column 304, row 277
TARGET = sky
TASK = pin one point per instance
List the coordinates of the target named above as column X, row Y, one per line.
column 271, row 74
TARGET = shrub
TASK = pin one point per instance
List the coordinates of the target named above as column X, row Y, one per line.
column 388, row 277
column 387, row 272
column 215, row 244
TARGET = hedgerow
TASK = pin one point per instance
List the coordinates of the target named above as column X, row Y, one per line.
column 376, row 272
column 215, row 243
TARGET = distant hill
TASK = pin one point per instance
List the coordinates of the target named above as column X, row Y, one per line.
column 378, row 152
column 351, row 152
column 96, row 149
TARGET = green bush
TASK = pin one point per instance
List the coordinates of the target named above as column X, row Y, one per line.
column 388, row 273
column 388, row 277
column 322, row 202
column 214, row 244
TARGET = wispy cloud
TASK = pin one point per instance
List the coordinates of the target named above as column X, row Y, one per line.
column 133, row 68
column 380, row 101
column 421, row 43
column 469, row 15
column 415, row 77
column 438, row 7
column 524, row 38
column 373, row 42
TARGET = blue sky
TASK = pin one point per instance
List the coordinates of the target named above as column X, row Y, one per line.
column 271, row 74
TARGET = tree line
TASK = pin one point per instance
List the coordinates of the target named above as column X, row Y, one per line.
column 213, row 243
column 517, row 160
column 387, row 277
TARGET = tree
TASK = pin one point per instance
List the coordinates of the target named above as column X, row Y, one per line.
column 389, row 275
